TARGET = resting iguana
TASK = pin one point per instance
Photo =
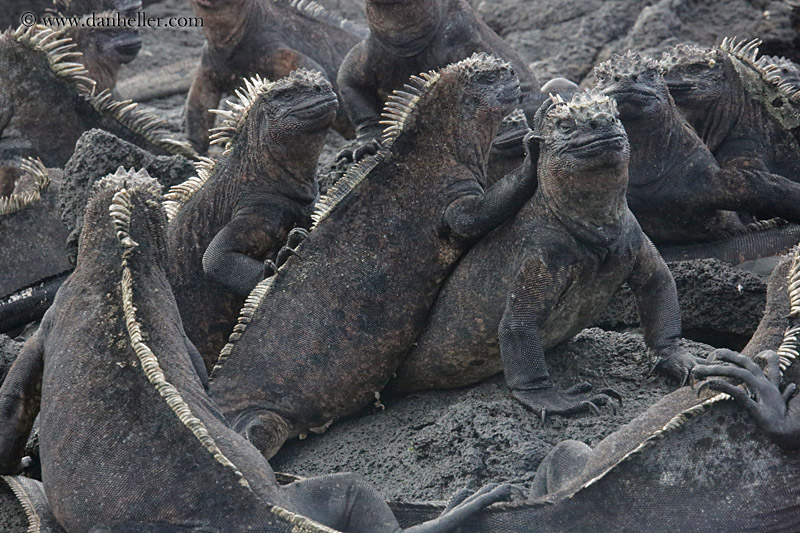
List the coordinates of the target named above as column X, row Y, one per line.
column 746, row 114
column 541, row 277
column 677, row 190
column 129, row 439
column 33, row 246
column 413, row 36
column 691, row 462
column 47, row 101
column 320, row 338
column 270, row 38
column 227, row 224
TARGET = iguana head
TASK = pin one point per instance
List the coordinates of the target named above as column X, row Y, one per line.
column 404, row 27
column 695, row 77
column 272, row 113
column 636, row 83
column 145, row 234
column 581, row 135
column 709, row 85
column 104, row 49
column 461, row 104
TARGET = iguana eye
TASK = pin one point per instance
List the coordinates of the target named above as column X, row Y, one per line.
column 490, row 78
column 566, row 125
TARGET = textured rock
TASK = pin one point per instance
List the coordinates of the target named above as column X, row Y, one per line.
column 426, row 446
column 720, row 304
column 98, row 153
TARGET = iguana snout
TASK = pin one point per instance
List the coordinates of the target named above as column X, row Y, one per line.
column 635, row 82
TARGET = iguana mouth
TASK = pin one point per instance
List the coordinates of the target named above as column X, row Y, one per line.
column 597, row 143
column 316, row 108
column 510, row 140
column 128, row 47
column 632, row 95
column 681, row 87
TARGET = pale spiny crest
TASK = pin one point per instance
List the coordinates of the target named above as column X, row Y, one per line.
column 626, row 65
column 19, row 201
column 64, row 63
column 584, row 106
column 688, row 54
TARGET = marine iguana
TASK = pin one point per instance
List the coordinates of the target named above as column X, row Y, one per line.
column 694, row 461
column 411, row 36
column 47, row 100
column 269, row 38
column 354, row 297
column 542, row 276
column 33, row 246
column 142, row 391
column 228, row 223
column 104, row 48
column 743, row 110
column 677, row 190
column 788, row 70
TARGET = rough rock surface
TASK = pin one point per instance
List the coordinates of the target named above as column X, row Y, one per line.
column 98, row 153
column 720, row 304
column 568, row 37
column 427, row 446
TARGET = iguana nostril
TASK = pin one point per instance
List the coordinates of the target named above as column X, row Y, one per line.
column 317, row 89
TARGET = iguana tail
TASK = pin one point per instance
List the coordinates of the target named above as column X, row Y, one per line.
column 761, row 239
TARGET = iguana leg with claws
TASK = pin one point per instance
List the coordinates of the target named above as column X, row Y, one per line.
column 776, row 412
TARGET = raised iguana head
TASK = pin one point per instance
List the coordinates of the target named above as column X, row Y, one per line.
column 486, row 89
column 637, row 84
column 583, row 156
column 268, row 113
column 405, row 27
column 706, row 82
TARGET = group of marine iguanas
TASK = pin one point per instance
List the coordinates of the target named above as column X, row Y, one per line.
column 203, row 327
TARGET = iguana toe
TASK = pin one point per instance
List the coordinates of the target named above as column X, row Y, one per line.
column 578, row 398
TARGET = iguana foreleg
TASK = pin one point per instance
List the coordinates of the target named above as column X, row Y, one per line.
column 776, row 412
column 535, row 290
column 346, row 502
column 660, row 313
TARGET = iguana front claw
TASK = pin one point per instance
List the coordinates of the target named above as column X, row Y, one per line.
column 576, row 399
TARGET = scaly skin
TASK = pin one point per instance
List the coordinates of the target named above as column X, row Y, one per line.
column 751, row 125
column 691, row 462
column 677, row 190
column 47, row 101
column 411, row 36
column 104, row 49
column 541, row 277
column 33, row 237
column 270, row 38
column 115, row 383
column 265, row 185
column 324, row 335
